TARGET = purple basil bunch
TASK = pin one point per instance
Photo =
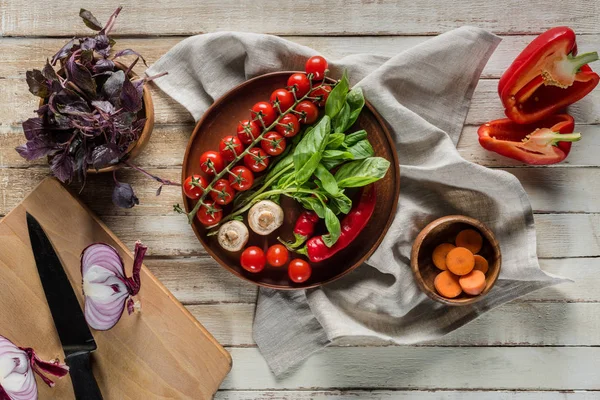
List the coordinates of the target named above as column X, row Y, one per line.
column 91, row 112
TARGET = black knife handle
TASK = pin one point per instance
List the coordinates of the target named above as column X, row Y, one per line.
column 84, row 383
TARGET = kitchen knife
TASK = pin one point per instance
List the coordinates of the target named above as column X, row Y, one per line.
column 75, row 336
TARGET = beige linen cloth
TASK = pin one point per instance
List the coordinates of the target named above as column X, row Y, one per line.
column 423, row 93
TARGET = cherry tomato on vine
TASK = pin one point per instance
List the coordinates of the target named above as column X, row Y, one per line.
column 265, row 111
column 300, row 82
column 299, row 270
column 273, row 143
column 322, row 93
column 211, row 161
column 241, row 178
column 277, row 255
column 316, row 65
column 222, row 193
column 247, row 131
column 288, row 125
column 284, row 98
column 253, row 259
column 309, row 112
column 209, row 213
column 256, row 159
column 230, row 147
column 193, row 186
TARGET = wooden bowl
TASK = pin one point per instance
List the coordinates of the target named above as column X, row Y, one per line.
column 147, row 112
column 444, row 230
column 221, row 119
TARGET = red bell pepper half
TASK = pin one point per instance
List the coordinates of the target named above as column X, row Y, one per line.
column 541, row 143
column 546, row 77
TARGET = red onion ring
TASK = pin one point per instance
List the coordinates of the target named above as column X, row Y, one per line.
column 106, row 287
column 17, row 368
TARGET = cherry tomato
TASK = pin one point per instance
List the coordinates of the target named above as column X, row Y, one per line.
column 211, row 162
column 253, row 259
column 222, row 193
column 288, row 126
column 277, row 255
column 322, row 93
column 193, row 186
column 299, row 270
column 247, row 131
column 300, row 82
column 284, row 98
column 316, row 65
column 256, row 159
column 209, row 213
column 230, row 147
column 265, row 111
column 309, row 111
column 273, row 143
column 241, row 178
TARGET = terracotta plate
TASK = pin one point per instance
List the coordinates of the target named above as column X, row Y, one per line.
column 221, row 119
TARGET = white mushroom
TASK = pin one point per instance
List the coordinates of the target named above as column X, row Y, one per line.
column 233, row 235
column 264, row 217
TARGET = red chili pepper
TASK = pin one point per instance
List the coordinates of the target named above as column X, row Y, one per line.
column 544, row 142
column 546, row 77
column 304, row 228
column 351, row 226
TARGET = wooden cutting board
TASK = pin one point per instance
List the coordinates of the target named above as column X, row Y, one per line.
column 161, row 352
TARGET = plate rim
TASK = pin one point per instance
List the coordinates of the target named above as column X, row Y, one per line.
column 390, row 219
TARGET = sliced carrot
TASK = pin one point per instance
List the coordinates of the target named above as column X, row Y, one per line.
column 447, row 285
column 460, row 261
column 440, row 253
column 481, row 264
column 469, row 239
column 473, row 283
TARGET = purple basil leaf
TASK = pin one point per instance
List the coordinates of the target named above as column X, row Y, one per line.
column 49, row 73
column 36, row 148
column 81, row 77
column 113, row 85
column 74, row 108
column 89, row 20
column 131, row 99
column 103, row 65
column 87, row 58
column 104, row 155
column 64, row 52
column 88, row 44
column 62, row 167
column 104, row 106
column 37, row 83
column 33, row 127
column 42, row 110
column 123, row 196
column 111, row 22
column 128, row 52
column 124, row 120
column 103, row 45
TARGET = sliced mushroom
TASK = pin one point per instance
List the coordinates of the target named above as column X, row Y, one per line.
column 264, row 217
column 233, row 235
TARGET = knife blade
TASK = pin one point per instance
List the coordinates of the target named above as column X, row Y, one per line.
column 75, row 336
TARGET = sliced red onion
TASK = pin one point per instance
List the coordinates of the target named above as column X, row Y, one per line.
column 17, row 366
column 106, row 287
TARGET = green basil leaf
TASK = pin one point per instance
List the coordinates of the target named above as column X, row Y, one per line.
column 335, row 140
column 337, row 155
column 340, row 122
column 361, row 172
column 309, row 151
column 355, row 137
column 333, row 226
column 356, row 101
column 337, row 97
column 362, row 149
column 284, row 162
column 341, row 202
column 327, row 180
column 312, row 203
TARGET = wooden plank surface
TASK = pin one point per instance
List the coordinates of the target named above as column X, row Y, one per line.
column 336, row 17
column 547, row 340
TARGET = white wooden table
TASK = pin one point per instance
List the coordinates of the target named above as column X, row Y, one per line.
column 546, row 345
